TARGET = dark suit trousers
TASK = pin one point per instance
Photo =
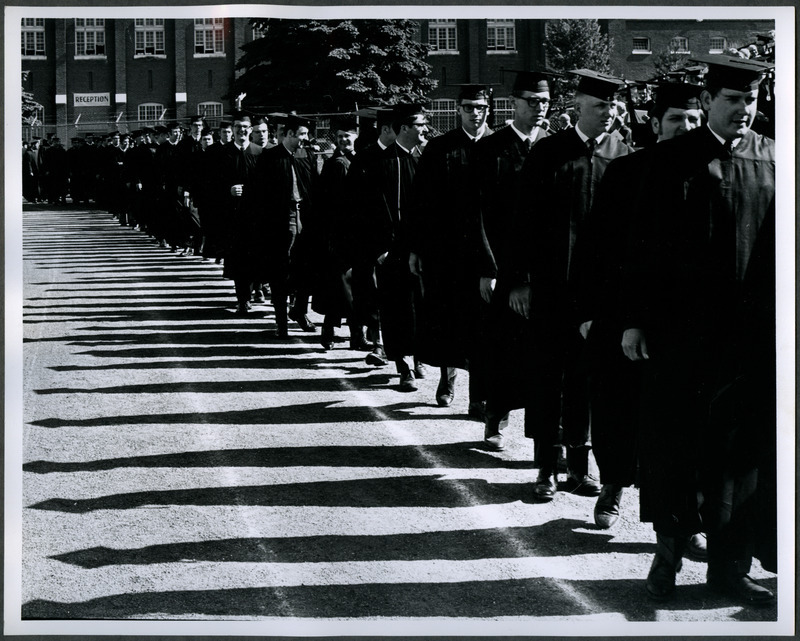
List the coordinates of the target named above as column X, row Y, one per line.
column 398, row 299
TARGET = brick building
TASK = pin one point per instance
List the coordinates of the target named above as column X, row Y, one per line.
column 638, row 43
column 94, row 75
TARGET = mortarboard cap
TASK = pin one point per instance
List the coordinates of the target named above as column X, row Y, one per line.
column 680, row 95
column 225, row 124
column 344, row 123
column 598, row 85
column 735, row 73
column 290, row 121
column 535, row 81
column 241, row 116
column 196, row 118
column 173, row 124
column 407, row 109
column 474, row 92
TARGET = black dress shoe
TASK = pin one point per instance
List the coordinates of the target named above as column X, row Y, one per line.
column 281, row 332
column 585, row 485
column 408, row 382
column 327, row 338
column 696, row 547
column 258, row 297
column 301, row 319
column 544, row 489
column 420, row 371
column 660, row 583
column 446, row 390
column 242, row 309
column 606, row 510
column 742, row 589
column 377, row 357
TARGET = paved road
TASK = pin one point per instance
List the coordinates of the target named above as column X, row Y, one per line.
column 181, row 464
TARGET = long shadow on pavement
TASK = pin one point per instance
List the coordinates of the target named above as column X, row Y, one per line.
column 541, row 597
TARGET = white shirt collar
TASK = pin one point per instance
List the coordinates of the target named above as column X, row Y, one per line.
column 584, row 137
column 480, row 134
column 523, row 136
column 722, row 141
column 401, row 147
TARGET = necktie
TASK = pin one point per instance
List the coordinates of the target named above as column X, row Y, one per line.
column 590, row 145
column 728, row 148
column 528, row 143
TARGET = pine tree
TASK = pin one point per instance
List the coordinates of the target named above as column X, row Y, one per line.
column 575, row 44
column 332, row 65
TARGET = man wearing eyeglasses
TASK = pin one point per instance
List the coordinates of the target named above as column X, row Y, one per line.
column 562, row 173
column 504, row 339
column 244, row 254
column 440, row 251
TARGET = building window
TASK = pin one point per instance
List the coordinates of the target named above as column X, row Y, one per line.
column 500, row 35
column 717, row 45
column 442, row 35
column 150, row 37
column 442, row 115
column 209, row 36
column 33, row 37
column 90, row 37
column 150, row 114
column 503, row 111
column 641, row 45
column 211, row 111
column 679, row 45
column 259, row 31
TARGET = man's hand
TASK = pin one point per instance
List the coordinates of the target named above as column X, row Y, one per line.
column 634, row 344
column 415, row 264
column 382, row 258
column 584, row 329
column 520, row 300
column 236, row 190
column 487, row 288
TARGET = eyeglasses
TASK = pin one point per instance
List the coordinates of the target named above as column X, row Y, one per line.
column 535, row 102
column 479, row 108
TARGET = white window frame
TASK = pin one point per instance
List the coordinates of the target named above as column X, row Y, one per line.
column 503, row 110
column 155, row 109
column 713, row 49
column 90, row 35
column 445, row 32
column 33, row 38
column 501, row 36
column 149, row 33
column 680, row 45
column 642, row 40
column 211, row 111
column 209, row 37
column 442, row 115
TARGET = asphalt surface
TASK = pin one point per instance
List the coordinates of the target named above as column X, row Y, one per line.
column 181, row 464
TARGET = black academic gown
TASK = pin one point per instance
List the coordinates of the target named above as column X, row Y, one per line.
column 386, row 196
column 243, row 235
column 506, row 338
column 555, row 191
column 442, row 226
column 701, row 284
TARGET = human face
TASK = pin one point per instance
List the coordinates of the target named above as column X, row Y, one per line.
column 345, row 141
column 174, row 135
column 596, row 115
column 197, row 128
column 124, row 143
column 730, row 112
column 676, row 122
column 206, row 141
column 260, row 134
column 417, row 131
column 473, row 115
column 302, row 133
column 241, row 132
column 225, row 135
column 115, row 141
column 530, row 108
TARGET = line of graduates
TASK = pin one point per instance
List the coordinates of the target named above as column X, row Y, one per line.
column 622, row 298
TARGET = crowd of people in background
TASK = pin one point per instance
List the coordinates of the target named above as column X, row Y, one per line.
column 609, row 270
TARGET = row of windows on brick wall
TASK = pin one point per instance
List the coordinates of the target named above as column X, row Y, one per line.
column 149, row 38
column 678, row 45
